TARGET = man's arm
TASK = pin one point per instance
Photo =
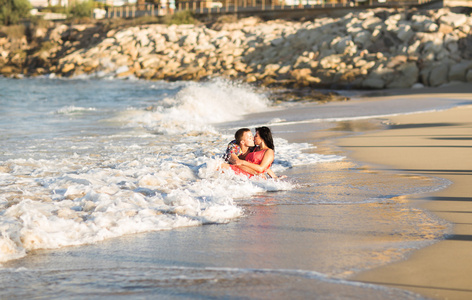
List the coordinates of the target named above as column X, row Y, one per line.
column 233, row 158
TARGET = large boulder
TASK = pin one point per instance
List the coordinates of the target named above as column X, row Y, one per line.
column 458, row 71
column 397, row 61
column 406, row 76
column 373, row 83
column 304, row 77
column 454, row 20
column 422, row 23
column 363, row 38
column 151, row 61
column 468, row 77
column 350, row 78
column 330, row 61
column 343, row 45
column 438, row 75
column 68, row 68
column 404, row 33
column 271, row 69
column 372, row 23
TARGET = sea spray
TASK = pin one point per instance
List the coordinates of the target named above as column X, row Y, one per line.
column 196, row 106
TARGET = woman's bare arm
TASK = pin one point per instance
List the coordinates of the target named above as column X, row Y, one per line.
column 264, row 165
column 271, row 173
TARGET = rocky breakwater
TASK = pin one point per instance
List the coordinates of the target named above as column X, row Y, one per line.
column 33, row 50
column 382, row 48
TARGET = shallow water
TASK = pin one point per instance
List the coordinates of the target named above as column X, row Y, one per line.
column 83, row 161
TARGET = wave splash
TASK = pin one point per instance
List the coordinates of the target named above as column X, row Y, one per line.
column 197, row 106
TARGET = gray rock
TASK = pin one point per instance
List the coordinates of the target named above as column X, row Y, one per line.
column 406, row 77
column 151, row 61
column 331, row 61
column 458, row 71
column 372, row 23
column 405, row 33
column 422, row 23
column 417, row 86
column 413, row 49
column 342, row 44
column 373, row 83
column 433, row 46
column 277, row 42
column 369, row 65
column 454, row 20
column 171, row 36
column 438, row 75
column 468, row 77
column 363, row 38
column 122, row 69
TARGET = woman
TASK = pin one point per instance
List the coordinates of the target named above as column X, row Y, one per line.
column 259, row 161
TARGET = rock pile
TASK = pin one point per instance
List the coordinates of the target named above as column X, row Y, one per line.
column 12, row 56
column 381, row 48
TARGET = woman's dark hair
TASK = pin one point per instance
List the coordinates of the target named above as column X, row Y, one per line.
column 266, row 135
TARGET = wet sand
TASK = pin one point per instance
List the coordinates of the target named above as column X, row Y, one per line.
column 434, row 144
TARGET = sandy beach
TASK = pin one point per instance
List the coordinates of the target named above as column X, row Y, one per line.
column 433, row 144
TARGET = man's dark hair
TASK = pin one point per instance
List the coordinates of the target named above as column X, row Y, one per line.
column 266, row 135
column 238, row 136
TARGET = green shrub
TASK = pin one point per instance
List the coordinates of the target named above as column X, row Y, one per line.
column 46, row 46
column 181, row 17
column 14, row 31
column 81, row 9
column 12, row 11
column 55, row 9
column 144, row 20
column 38, row 21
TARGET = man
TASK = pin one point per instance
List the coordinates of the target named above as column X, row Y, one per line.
column 240, row 146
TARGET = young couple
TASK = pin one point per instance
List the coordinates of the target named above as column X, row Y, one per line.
column 251, row 155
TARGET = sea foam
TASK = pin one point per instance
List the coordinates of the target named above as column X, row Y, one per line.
column 157, row 170
column 196, row 106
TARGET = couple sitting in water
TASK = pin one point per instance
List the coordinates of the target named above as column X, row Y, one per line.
column 251, row 155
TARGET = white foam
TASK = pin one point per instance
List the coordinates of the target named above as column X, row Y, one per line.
column 73, row 109
column 86, row 187
column 82, row 200
column 291, row 154
column 197, row 106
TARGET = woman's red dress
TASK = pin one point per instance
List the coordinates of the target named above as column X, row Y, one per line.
column 253, row 157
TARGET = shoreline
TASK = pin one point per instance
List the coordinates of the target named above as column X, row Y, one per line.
column 430, row 144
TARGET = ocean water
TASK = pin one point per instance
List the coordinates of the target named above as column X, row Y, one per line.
column 126, row 171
